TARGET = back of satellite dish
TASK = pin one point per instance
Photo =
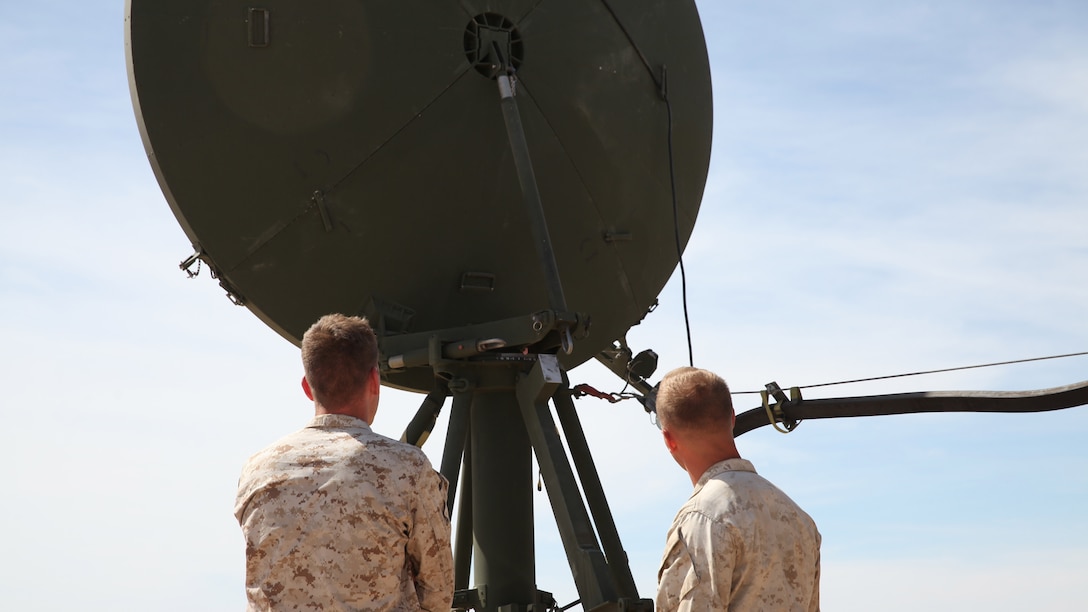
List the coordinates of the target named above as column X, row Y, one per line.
column 502, row 188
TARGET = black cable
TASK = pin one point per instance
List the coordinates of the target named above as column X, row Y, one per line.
column 982, row 365
column 662, row 85
column 676, row 222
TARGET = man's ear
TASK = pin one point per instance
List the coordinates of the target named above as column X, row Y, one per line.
column 374, row 381
column 306, row 389
column 670, row 440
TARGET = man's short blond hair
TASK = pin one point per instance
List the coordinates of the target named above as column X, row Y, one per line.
column 691, row 399
column 338, row 353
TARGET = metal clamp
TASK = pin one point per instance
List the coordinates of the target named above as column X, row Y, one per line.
column 190, row 260
column 775, row 413
column 567, row 341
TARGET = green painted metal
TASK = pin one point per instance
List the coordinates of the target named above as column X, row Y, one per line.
column 323, row 155
column 502, row 502
column 373, row 158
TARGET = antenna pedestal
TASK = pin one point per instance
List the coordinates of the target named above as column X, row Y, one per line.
column 502, row 413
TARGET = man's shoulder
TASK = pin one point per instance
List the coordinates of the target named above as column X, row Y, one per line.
column 316, row 453
column 741, row 496
column 281, row 446
column 395, row 448
column 728, row 483
column 342, row 440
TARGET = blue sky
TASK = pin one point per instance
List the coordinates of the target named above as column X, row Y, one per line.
column 892, row 189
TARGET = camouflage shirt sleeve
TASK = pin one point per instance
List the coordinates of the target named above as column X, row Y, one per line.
column 429, row 546
column 697, row 568
column 814, row 603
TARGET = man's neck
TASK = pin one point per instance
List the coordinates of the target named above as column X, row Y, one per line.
column 698, row 465
column 346, row 411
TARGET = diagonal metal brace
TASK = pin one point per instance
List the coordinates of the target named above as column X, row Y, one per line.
column 590, row 570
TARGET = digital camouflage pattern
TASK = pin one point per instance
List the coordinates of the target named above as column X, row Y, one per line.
column 337, row 517
column 739, row 543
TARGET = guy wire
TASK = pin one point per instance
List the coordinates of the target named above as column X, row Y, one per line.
column 662, row 85
column 970, row 367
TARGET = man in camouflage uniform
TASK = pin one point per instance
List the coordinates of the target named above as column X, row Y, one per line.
column 739, row 543
column 335, row 516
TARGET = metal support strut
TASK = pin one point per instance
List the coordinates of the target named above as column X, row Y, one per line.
column 519, row 146
column 493, row 430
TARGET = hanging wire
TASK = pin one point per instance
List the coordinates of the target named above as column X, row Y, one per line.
column 676, row 224
column 970, row 367
column 662, row 84
column 584, row 389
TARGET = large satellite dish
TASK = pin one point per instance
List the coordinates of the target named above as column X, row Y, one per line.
column 352, row 157
column 503, row 187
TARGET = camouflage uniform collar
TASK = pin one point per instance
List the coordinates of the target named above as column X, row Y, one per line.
column 729, row 465
column 337, row 420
